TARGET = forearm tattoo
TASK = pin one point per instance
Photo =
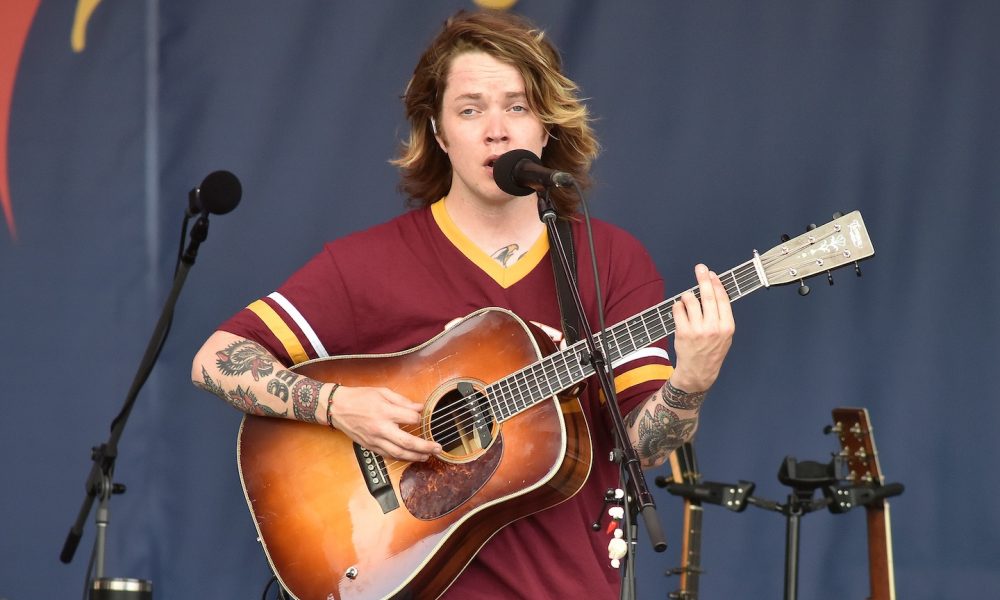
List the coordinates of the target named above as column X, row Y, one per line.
column 681, row 400
column 660, row 432
column 278, row 387
column 305, row 399
column 246, row 356
column 242, row 399
column 242, row 357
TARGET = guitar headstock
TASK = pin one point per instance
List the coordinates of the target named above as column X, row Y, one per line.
column 840, row 242
column 854, row 430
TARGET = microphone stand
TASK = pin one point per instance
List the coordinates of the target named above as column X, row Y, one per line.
column 638, row 498
column 99, row 481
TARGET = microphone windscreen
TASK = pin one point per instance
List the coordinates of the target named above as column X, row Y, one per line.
column 505, row 170
column 220, row 192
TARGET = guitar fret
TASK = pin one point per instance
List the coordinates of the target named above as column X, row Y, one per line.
column 613, row 346
column 736, row 283
column 499, row 400
column 560, row 373
column 508, row 398
column 535, row 386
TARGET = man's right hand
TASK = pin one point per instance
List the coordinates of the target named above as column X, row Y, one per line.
column 382, row 421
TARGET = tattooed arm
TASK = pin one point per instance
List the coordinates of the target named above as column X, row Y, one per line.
column 247, row 376
column 662, row 423
column 702, row 339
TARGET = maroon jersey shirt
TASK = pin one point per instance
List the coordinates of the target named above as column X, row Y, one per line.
column 396, row 285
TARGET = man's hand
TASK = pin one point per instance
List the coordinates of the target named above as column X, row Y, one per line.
column 382, row 421
column 704, row 333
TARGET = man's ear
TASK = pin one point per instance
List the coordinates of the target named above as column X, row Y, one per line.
column 440, row 140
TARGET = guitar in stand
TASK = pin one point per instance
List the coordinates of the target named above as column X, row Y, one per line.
column 854, row 429
column 685, row 471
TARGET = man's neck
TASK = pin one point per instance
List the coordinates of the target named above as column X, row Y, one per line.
column 498, row 227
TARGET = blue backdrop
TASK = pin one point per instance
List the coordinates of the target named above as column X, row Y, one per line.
column 724, row 125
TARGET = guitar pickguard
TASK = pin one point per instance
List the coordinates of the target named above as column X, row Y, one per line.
column 434, row 488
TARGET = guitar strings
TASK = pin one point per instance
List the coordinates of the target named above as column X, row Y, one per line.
column 662, row 327
column 534, row 391
column 744, row 275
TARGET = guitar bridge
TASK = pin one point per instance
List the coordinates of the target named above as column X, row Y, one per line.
column 376, row 478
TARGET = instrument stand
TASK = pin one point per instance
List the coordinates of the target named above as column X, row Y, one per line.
column 804, row 478
column 99, row 482
column 637, row 498
column 842, row 490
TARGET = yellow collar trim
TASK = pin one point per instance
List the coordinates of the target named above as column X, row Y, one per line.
column 505, row 277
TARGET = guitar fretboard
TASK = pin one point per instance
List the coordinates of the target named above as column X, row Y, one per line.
column 564, row 369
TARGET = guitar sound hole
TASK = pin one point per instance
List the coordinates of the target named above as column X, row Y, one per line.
column 462, row 421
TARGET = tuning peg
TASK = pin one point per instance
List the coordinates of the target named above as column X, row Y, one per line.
column 803, row 288
column 811, row 227
column 829, row 277
column 837, row 214
column 785, row 237
column 857, row 269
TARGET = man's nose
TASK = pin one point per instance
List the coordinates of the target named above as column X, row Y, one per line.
column 496, row 128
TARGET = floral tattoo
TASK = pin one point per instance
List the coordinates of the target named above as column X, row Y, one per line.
column 305, row 399
column 242, row 399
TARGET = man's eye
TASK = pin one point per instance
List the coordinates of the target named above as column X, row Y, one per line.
column 519, row 108
column 467, row 111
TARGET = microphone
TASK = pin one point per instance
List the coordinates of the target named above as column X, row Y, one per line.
column 218, row 194
column 520, row 172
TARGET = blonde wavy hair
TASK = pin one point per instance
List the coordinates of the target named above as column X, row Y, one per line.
column 425, row 168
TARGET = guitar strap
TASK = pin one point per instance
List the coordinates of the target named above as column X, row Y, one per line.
column 567, row 308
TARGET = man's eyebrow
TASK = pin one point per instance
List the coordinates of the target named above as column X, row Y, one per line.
column 478, row 96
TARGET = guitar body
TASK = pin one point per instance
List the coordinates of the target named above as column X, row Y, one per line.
column 323, row 531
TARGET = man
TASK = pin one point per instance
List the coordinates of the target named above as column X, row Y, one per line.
column 487, row 84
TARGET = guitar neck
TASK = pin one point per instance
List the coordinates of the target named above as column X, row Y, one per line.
column 562, row 370
column 882, row 579
column 690, row 569
column 684, row 467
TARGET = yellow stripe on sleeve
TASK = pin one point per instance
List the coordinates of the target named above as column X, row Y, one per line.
column 640, row 375
column 280, row 330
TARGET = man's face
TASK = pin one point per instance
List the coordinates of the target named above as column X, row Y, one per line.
column 484, row 113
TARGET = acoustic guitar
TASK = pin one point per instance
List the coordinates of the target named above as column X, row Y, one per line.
column 853, row 428
column 348, row 524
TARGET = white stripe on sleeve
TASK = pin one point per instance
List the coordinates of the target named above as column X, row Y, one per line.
column 301, row 322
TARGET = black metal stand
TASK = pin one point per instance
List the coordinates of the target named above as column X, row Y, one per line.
column 804, row 478
column 638, row 498
column 99, row 482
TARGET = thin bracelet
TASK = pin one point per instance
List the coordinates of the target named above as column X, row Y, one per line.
column 329, row 405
